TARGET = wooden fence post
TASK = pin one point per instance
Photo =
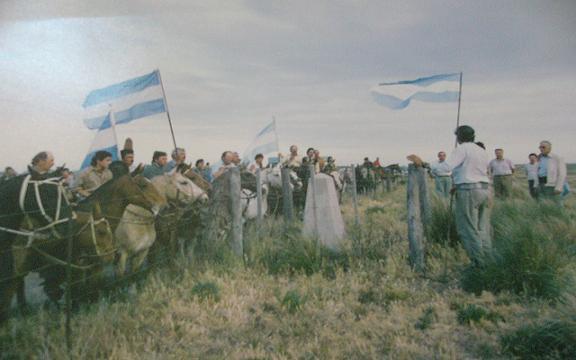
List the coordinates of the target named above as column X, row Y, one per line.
column 312, row 185
column 388, row 182
column 415, row 227
column 354, row 195
column 236, row 212
column 260, row 215
column 287, row 198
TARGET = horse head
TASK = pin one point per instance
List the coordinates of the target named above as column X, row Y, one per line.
column 178, row 188
column 141, row 192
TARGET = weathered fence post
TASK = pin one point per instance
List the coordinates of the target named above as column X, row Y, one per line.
column 287, row 198
column 425, row 210
column 416, row 234
column 236, row 212
column 388, row 183
column 68, row 298
column 312, row 185
column 354, row 195
column 260, row 215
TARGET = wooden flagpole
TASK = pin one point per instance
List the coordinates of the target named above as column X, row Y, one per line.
column 166, row 105
column 459, row 101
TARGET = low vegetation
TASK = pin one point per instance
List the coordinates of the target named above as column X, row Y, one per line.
column 290, row 298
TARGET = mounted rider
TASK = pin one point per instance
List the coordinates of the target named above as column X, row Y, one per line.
column 96, row 175
column 158, row 165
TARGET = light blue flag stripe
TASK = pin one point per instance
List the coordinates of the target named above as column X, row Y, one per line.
column 395, row 103
column 112, row 150
column 425, row 81
column 124, row 88
column 261, row 149
column 135, row 112
column 269, row 128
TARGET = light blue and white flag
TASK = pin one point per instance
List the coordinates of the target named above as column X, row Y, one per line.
column 130, row 100
column 105, row 140
column 265, row 143
column 437, row 88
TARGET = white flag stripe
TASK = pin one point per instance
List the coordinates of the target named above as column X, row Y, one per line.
column 403, row 91
column 150, row 93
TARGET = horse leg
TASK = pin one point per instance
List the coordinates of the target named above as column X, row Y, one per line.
column 7, row 283
column 21, row 294
column 121, row 266
column 138, row 259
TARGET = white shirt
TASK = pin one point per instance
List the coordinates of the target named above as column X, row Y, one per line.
column 532, row 171
column 436, row 171
column 501, row 167
column 468, row 163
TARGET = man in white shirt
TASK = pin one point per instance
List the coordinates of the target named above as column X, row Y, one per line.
column 501, row 170
column 551, row 174
column 442, row 179
column 469, row 166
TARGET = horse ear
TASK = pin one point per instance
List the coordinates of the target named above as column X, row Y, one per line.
column 139, row 169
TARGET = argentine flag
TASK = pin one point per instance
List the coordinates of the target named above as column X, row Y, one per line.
column 437, row 88
column 130, row 100
column 105, row 140
column 265, row 143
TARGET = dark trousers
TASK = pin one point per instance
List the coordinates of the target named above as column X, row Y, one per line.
column 533, row 189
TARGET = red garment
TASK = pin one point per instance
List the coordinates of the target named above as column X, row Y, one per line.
column 377, row 163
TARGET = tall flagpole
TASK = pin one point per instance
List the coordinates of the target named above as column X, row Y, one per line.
column 113, row 125
column 276, row 133
column 459, row 100
column 166, row 105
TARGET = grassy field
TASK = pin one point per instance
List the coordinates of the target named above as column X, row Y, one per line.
column 293, row 300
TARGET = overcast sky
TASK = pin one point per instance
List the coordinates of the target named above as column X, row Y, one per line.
column 230, row 66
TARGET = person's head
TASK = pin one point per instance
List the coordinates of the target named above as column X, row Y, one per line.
column 101, row 160
column 227, row 157
column 200, row 163
column 316, row 153
column 533, row 158
column 330, row 159
column 9, row 171
column 66, row 173
column 127, row 156
column 545, row 147
column 499, row 154
column 160, row 158
column 441, row 156
column 464, row 134
column 179, row 155
column 236, row 158
column 366, row 159
column 259, row 158
column 294, row 150
column 43, row 161
column 310, row 153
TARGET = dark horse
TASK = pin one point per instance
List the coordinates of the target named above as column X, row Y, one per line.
column 41, row 199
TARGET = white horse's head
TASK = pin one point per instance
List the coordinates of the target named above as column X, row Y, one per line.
column 273, row 177
column 178, row 189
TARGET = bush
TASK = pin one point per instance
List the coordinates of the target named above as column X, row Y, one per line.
column 295, row 254
column 427, row 319
column 549, row 339
column 206, row 291
column 472, row 313
column 442, row 226
column 293, row 301
column 532, row 256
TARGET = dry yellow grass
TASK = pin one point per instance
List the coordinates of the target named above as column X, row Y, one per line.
column 378, row 308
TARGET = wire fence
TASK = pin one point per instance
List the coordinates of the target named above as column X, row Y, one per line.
column 84, row 273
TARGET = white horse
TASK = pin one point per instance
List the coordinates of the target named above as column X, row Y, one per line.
column 136, row 232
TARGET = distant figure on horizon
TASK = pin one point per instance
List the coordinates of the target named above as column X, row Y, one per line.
column 442, row 179
column 532, row 175
column 551, row 174
column 501, row 170
column 9, row 173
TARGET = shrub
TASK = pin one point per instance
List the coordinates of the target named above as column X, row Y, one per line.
column 549, row 339
column 293, row 301
column 206, row 290
column 531, row 256
column 442, row 226
column 472, row 313
column 427, row 319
